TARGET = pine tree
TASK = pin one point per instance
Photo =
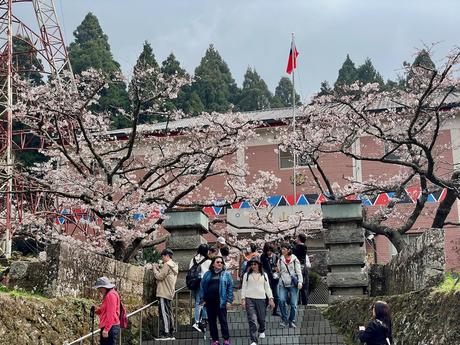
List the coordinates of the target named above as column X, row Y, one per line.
column 28, row 65
column 146, row 60
column 91, row 49
column 422, row 64
column 348, row 74
column 193, row 106
column 325, row 89
column 368, row 74
column 169, row 67
column 283, row 94
column 423, row 59
column 214, row 83
column 254, row 94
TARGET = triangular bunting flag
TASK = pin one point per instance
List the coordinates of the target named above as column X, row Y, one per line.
column 283, row 202
column 236, row 205
column 302, row 200
column 321, row 199
column 382, row 199
column 290, row 199
column 245, row 204
column 311, row 198
column 414, row 193
column 209, row 211
column 274, row 200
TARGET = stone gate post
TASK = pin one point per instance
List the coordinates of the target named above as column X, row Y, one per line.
column 186, row 227
column 344, row 237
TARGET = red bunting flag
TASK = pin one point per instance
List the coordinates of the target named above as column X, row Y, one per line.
column 292, row 61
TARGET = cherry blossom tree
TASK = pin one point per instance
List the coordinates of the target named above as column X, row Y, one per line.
column 403, row 127
column 124, row 178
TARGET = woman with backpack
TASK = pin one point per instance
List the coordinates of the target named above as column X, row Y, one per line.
column 255, row 290
column 108, row 311
column 290, row 282
column 216, row 293
column 199, row 265
column 378, row 331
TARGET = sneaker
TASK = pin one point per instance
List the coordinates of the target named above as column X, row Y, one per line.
column 163, row 337
column 196, row 326
column 253, row 343
column 215, row 342
column 262, row 335
column 292, row 325
column 283, row 324
column 227, row 342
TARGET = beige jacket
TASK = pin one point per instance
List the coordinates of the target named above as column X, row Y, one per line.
column 166, row 277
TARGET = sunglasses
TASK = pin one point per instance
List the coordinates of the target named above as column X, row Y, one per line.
column 218, row 262
column 254, row 264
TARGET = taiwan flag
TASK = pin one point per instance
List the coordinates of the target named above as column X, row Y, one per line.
column 292, row 61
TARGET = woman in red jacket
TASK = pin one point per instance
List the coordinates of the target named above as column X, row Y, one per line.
column 108, row 311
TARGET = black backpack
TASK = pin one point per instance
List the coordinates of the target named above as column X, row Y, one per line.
column 193, row 279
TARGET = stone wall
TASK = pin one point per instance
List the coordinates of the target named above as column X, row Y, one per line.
column 414, row 268
column 419, row 318
column 71, row 271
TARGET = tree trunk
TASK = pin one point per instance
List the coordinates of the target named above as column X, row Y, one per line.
column 396, row 239
column 445, row 206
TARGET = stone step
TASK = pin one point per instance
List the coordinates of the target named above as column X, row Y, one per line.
column 270, row 325
column 243, row 318
column 323, row 339
column 239, row 313
column 308, row 330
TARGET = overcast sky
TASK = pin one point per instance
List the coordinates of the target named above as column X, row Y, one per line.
column 257, row 33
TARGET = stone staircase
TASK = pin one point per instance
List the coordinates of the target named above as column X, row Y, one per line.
column 312, row 329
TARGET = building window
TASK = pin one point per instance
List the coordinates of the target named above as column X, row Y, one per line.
column 286, row 160
column 387, row 147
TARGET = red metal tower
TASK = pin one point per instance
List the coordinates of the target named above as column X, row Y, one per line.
column 45, row 41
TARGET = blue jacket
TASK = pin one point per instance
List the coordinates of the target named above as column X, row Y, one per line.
column 225, row 287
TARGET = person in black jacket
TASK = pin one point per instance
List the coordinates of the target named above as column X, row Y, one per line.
column 269, row 261
column 300, row 250
column 378, row 331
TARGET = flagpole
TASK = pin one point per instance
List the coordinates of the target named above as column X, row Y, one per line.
column 294, row 177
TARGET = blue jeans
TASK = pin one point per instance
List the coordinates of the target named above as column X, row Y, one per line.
column 196, row 296
column 283, row 295
column 113, row 336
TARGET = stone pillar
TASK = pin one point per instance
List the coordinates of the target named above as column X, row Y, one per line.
column 186, row 227
column 344, row 237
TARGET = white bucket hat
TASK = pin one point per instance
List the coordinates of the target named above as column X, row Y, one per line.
column 103, row 282
column 221, row 240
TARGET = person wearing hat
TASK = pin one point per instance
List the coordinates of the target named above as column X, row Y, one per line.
column 166, row 277
column 108, row 311
column 222, row 247
column 255, row 290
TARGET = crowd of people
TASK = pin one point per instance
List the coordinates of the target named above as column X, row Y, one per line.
column 276, row 277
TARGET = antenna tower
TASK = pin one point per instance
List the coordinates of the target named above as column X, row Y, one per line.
column 44, row 40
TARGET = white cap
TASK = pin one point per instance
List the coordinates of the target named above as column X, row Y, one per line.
column 221, row 240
